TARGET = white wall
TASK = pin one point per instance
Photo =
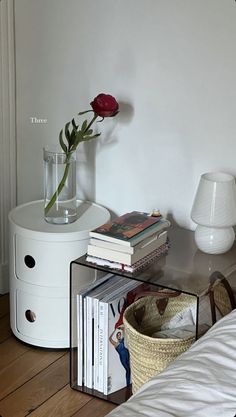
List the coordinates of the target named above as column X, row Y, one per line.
column 172, row 66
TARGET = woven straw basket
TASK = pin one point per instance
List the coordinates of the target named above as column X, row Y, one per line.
column 223, row 298
column 149, row 356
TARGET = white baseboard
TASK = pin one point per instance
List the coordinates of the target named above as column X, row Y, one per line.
column 4, row 279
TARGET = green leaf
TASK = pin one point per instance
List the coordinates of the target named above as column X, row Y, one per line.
column 83, row 112
column 78, row 138
column 67, row 132
column 74, row 124
column 84, row 126
column 92, row 137
column 89, row 132
column 64, row 147
column 72, row 137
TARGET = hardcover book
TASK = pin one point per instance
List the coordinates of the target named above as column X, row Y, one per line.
column 126, row 258
column 122, row 248
column 141, row 264
column 130, row 228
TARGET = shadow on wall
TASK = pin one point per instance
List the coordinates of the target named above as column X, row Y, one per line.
column 86, row 153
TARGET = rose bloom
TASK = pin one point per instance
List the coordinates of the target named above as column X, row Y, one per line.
column 105, row 105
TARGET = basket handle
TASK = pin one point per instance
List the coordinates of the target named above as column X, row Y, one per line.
column 161, row 302
column 216, row 278
column 162, row 294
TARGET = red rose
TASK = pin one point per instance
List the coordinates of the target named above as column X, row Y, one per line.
column 104, row 105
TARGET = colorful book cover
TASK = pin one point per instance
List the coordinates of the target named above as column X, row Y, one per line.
column 92, row 352
column 98, row 345
column 117, row 373
column 127, row 226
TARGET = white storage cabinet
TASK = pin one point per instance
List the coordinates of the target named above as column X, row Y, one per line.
column 40, row 256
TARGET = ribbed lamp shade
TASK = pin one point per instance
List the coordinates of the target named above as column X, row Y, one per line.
column 214, row 211
column 215, row 200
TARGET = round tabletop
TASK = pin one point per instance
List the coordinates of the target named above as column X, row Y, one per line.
column 30, row 217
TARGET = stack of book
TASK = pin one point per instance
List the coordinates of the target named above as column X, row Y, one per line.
column 129, row 242
column 103, row 357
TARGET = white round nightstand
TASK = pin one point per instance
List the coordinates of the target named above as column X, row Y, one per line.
column 40, row 256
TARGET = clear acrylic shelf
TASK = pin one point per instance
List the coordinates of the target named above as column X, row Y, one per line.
column 184, row 269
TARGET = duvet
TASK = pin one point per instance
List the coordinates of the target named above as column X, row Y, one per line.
column 200, row 383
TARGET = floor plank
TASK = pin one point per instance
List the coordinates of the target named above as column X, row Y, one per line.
column 10, row 350
column 64, row 403
column 24, row 368
column 95, row 408
column 37, row 390
column 34, row 382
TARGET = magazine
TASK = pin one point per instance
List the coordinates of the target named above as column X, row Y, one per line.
column 102, row 306
column 90, row 324
column 116, row 365
column 80, row 325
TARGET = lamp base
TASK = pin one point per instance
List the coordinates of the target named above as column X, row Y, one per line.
column 213, row 240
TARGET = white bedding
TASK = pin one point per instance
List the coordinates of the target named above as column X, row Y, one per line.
column 200, row 383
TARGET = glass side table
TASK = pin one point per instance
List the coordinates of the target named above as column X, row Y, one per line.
column 184, row 269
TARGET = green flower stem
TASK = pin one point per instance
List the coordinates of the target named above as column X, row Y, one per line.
column 60, row 186
column 66, row 172
column 90, row 124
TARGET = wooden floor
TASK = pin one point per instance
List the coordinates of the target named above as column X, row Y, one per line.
column 35, row 382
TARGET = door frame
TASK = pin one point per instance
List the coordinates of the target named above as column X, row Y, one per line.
column 7, row 133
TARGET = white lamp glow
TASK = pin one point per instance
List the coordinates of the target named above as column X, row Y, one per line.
column 214, row 211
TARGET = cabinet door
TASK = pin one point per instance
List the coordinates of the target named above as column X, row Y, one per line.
column 41, row 318
column 46, row 263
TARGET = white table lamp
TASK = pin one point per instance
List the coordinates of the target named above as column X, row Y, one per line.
column 214, row 211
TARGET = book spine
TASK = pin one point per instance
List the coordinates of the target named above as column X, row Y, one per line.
column 125, row 249
column 105, row 350
column 79, row 348
column 81, row 327
column 136, row 266
column 89, row 355
column 109, row 245
column 85, row 340
column 125, row 258
column 147, row 260
column 109, row 254
column 96, row 336
column 80, row 322
column 101, row 347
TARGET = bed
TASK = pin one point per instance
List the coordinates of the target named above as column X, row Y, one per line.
column 200, row 383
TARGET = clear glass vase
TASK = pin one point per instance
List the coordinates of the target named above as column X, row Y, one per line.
column 59, row 187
